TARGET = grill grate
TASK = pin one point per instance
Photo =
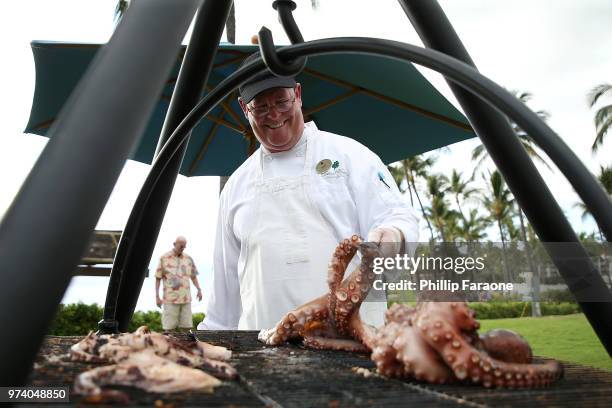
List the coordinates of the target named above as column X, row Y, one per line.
column 291, row 376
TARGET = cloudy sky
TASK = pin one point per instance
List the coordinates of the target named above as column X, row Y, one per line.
column 555, row 49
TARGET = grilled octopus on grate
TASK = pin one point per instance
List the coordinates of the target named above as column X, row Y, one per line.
column 436, row 341
column 145, row 370
column 148, row 360
column 117, row 347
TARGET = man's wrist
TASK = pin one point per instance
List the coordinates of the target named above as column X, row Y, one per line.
column 402, row 242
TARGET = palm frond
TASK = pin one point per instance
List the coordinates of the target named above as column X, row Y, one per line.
column 533, row 153
column 605, row 178
column 603, row 120
column 478, row 152
column 596, row 93
column 585, row 210
column 603, row 115
column 398, row 176
column 522, row 96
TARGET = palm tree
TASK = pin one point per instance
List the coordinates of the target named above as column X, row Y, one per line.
column 460, row 188
column 474, row 227
column 603, row 116
column 438, row 211
column 437, row 185
column 535, row 280
column 513, row 233
column 413, row 168
column 398, row 176
column 605, row 179
column 499, row 205
column 480, row 153
column 441, row 217
column 586, row 213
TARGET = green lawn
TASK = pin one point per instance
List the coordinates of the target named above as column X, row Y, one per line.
column 568, row 338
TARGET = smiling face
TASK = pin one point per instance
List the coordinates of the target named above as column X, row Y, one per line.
column 276, row 131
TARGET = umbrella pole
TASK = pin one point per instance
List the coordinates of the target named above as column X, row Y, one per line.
column 518, row 170
column 139, row 237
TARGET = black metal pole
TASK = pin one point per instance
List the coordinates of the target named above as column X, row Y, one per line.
column 45, row 231
column 139, row 238
column 522, row 177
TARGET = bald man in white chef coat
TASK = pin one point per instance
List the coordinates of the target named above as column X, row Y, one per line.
column 284, row 210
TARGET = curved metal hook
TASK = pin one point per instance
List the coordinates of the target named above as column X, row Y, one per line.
column 278, row 67
column 284, row 9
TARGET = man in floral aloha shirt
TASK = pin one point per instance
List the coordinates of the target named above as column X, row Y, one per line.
column 175, row 269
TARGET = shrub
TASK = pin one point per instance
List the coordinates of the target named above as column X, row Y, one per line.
column 565, row 308
column 197, row 318
column 557, row 295
column 79, row 319
column 505, row 297
column 76, row 319
column 498, row 310
column 152, row 319
column 504, row 310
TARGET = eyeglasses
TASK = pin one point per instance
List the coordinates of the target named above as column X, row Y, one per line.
column 282, row 106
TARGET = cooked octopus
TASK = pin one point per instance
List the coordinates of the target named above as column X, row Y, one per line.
column 150, row 361
column 142, row 369
column 116, row 347
column 436, row 341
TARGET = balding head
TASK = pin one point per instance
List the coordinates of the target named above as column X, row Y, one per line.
column 179, row 244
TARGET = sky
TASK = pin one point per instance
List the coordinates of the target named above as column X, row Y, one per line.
column 555, row 49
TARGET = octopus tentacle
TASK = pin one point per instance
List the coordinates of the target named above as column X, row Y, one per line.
column 418, row 359
column 309, row 318
column 343, row 254
column 355, row 288
column 383, row 353
column 326, row 343
column 469, row 363
column 361, row 331
column 333, row 316
column 399, row 313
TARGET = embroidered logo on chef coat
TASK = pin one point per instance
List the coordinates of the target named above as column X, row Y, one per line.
column 323, row 166
column 330, row 168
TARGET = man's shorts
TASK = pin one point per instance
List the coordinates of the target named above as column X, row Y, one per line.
column 176, row 315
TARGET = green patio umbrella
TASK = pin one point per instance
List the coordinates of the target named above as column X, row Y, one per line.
column 385, row 104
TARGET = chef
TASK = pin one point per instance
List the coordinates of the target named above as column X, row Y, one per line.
column 284, row 210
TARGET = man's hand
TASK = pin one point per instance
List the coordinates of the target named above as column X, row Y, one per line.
column 158, row 301
column 199, row 295
column 390, row 240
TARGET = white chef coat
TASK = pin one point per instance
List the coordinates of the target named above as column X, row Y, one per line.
column 350, row 196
